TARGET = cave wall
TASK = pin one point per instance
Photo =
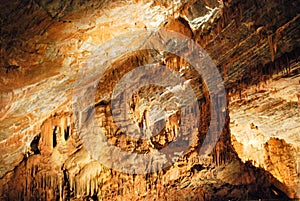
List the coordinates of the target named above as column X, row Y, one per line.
column 43, row 157
column 265, row 124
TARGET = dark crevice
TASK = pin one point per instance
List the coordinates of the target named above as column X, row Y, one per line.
column 34, row 144
column 67, row 133
column 54, row 142
column 197, row 168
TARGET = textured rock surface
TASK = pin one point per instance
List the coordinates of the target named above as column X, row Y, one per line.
column 49, row 47
column 265, row 125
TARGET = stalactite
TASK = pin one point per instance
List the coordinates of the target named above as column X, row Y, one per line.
column 224, row 71
column 224, row 16
column 206, row 40
column 46, row 134
column 287, row 63
column 219, row 28
column 236, row 17
column 272, row 46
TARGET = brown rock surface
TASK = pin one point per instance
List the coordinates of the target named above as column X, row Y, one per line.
column 50, row 49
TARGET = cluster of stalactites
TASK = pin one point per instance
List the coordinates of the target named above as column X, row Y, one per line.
column 55, row 130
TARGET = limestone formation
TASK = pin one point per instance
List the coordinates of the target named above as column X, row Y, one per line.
column 61, row 65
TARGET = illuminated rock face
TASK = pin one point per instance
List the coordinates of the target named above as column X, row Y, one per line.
column 265, row 125
column 47, row 48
